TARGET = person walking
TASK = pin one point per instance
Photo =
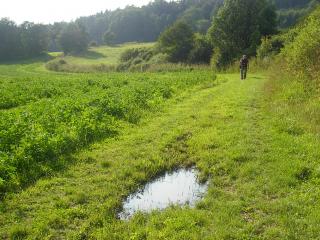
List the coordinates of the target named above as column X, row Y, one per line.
column 244, row 66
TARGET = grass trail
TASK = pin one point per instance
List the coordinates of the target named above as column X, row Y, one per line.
column 232, row 136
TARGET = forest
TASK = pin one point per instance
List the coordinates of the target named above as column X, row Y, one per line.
column 132, row 24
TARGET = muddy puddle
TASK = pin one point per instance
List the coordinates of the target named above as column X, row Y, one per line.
column 177, row 188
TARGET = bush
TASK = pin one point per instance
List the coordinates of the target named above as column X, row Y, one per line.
column 135, row 59
column 62, row 61
column 93, row 44
column 302, row 54
column 201, row 51
column 63, row 66
column 54, row 65
column 109, row 38
column 73, row 39
column 270, row 46
column 159, row 58
column 177, row 42
column 131, row 54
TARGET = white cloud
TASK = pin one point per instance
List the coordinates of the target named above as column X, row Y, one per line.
column 49, row 11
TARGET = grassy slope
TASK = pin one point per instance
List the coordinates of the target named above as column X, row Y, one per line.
column 258, row 164
column 104, row 54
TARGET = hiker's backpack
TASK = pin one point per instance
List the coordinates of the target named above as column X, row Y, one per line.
column 244, row 63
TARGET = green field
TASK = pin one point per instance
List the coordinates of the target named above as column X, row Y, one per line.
column 45, row 115
column 109, row 55
column 73, row 146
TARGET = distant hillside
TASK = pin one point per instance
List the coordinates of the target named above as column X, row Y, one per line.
column 144, row 24
column 290, row 11
column 287, row 4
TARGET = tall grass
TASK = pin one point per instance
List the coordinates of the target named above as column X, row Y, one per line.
column 255, row 65
column 59, row 65
column 294, row 75
column 302, row 53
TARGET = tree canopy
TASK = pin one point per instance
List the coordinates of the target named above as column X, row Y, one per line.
column 146, row 23
column 239, row 26
column 73, row 39
column 109, row 37
column 26, row 40
column 177, row 42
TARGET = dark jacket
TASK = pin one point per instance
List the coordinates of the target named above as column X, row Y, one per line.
column 244, row 62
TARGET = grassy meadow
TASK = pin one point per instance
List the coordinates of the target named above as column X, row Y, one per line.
column 104, row 54
column 74, row 145
column 95, row 59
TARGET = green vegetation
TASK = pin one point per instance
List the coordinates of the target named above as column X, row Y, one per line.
column 46, row 115
column 141, row 24
column 261, row 161
column 177, row 42
column 238, row 28
column 105, row 54
column 126, row 24
column 73, row 145
column 302, row 51
column 73, row 39
column 201, row 51
column 270, row 46
column 109, row 37
column 180, row 44
column 155, row 17
column 96, row 59
column 292, row 11
column 24, row 41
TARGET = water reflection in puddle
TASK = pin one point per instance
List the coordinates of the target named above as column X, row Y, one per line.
column 180, row 187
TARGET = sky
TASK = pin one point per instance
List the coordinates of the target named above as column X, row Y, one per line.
column 49, row 11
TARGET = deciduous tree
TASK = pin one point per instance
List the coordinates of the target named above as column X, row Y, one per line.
column 239, row 26
column 73, row 39
column 177, row 42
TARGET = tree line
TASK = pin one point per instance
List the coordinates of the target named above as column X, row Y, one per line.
column 140, row 24
column 144, row 24
column 23, row 41
column 236, row 29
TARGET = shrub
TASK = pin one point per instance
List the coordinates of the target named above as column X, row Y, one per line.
column 63, row 66
column 159, row 58
column 133, row 53
column 109, row 38
column 177, row 42
column 135, row 59
column 93, row 44
column 302, row 54
column 73, row 39
column 201, row 51
column 62, row 61
column 269, row 47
